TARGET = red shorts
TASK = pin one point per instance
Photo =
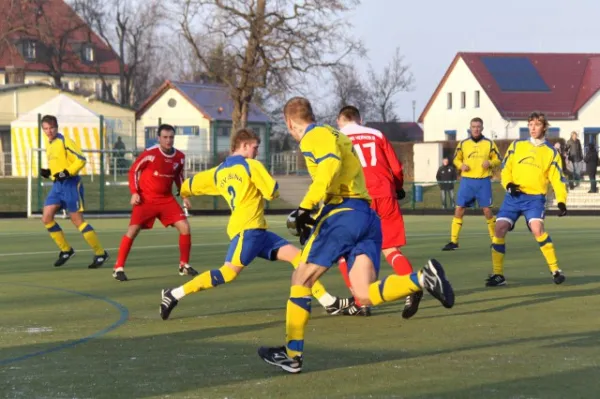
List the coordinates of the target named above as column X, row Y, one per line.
column 145, row 214
column 392, row 223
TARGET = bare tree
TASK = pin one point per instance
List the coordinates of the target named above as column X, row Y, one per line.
column 273, row 43
column 130, row 30
column 393, row 79
column 349, row 88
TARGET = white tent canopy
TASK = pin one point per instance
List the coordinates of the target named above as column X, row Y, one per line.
column 74, row 121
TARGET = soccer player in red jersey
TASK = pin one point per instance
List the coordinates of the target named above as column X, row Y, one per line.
column 384, row 178
column 151, row 179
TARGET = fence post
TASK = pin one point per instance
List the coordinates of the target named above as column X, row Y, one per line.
column 215, row 151
column 39, row 154
column 268, row 151
column 413, row 197
column 101, row 163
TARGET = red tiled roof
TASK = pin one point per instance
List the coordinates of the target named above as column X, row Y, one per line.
column 62, row 19
column 558, row 84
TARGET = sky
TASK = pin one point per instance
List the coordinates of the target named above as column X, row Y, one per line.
column 431, row 32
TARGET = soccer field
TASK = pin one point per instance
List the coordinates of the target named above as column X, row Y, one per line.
column 71, row 332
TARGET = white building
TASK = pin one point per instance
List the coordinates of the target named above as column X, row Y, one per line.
column 504, row 88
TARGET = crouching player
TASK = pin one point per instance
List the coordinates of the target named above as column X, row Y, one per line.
column 346, row 226
column 245, row 184
column 528, row 167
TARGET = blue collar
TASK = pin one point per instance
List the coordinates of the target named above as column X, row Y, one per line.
column 310, row 127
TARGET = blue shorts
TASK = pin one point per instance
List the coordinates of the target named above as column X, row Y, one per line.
column 533, row 207
column 68, row 194
column 471, row 190
column 249, row 244
column 346, row 230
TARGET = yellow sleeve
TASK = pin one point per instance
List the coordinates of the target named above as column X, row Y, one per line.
column 506, row 175
column 557, row 178
column 458, row 156
column 263, row 181
column 320, row 150
column 202, row 183
column 495, row 159
column 75, row 158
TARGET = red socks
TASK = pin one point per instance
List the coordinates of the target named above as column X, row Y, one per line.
column 399, row 263
column 124, row 249
column 185, row 247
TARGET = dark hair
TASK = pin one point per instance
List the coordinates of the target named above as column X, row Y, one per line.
column 477, row 119
column 166, row 127
column 50, row 119
column 540, row 117
column 350, row 113
column 243, row 135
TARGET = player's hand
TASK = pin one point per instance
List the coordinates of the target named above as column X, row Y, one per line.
column 62, row 176
column 135, row 199
column 187, row 203
column 45, row 173
column 486, row 164
column 401, row 194
column 465, row 167
column 562, row 209
column 513, row 189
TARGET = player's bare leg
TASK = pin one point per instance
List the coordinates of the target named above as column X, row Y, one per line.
column 124, row 248
column 57, row 234
column 457, row 221
column 185, row 247
column 90, row 236
column 490, row 220
column 331, row 304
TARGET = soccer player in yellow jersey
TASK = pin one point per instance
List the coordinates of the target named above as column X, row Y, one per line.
column 65, row 160
column 476, row 157
column 245, row 184
column 529, row 165
column 345, row 226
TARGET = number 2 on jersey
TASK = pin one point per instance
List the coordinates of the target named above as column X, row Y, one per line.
column 231, row 192
column 361, row 156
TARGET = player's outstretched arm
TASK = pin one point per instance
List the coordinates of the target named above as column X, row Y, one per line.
column 202, row 183
column 263, row 180
column 75, row 157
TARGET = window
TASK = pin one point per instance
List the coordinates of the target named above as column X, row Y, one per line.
column 523, row 133
column 449, row 100
column 187, row 130
column 29, row 50
column 463, row 99
column 87, row 53
column 223, row 131
column 553, row 132
column 476, row 98
column 450, row 135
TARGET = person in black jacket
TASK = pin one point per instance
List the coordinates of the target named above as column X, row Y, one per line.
column 591, row 165
column 446, row 176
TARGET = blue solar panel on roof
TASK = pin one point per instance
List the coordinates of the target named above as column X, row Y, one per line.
column 515, row 74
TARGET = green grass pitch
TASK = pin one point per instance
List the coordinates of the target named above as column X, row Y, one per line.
column 71, row 332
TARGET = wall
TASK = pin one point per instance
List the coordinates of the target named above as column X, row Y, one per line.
column 427, row 158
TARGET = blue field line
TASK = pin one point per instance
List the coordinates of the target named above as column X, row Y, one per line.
column 123, row 316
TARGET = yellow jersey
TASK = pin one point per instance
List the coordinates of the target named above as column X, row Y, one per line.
column 473, row 154
column 335, row 169
column 244, row 183
column 532, row 167
column 63, row 153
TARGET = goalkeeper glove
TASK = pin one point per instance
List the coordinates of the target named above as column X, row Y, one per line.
column 62, row 176
column 400, row 194
column 300, row 224
column 513, row 189
column 45, row 173
column 562, row 209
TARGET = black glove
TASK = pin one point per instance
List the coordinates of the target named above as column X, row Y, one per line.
column 401, row 194
column 304, row 224
column 513, row 189
column 562, row 209
column 62, row 176
column 45, row 173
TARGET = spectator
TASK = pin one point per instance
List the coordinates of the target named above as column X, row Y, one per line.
column 119, row 154
column 591, row 162
column 575, row 155
column 446, row 176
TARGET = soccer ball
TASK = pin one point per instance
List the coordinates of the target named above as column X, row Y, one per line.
column 291, row 223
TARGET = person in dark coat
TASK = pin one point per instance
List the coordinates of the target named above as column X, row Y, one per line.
column 446, row 176
column 591, row 165
column 575, row 155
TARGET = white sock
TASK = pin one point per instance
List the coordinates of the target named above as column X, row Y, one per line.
column 327, row 300
column 178, row 292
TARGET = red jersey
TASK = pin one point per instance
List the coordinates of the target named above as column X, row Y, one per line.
column 383, row 170
column 153, row 173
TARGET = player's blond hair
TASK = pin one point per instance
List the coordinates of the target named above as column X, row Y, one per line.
column 243, row 135
column 539, row 116
column 299, row 109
